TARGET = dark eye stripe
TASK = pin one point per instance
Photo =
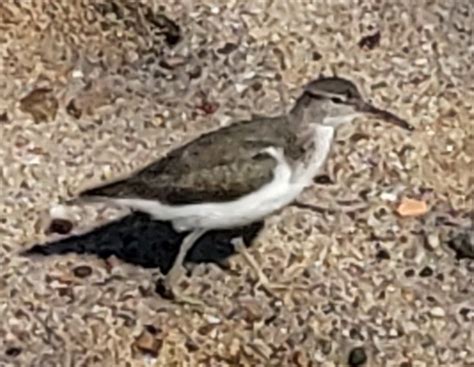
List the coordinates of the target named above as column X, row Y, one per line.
column 337, row 100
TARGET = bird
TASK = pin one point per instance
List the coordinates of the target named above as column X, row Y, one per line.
column 243, row 172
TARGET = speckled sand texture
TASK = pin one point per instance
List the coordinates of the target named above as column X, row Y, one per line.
column 116, row 84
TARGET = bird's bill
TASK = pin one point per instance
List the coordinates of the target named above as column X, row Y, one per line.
column 368, row 109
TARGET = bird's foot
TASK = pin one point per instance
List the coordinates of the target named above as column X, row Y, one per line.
column 269, row 286
column 170, row 288
column 276, row 288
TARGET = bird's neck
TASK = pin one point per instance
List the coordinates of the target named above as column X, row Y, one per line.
column 320, row 141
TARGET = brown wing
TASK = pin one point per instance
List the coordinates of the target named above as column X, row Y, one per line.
column 219, row 166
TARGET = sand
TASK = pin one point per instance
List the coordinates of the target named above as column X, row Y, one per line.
column 91, row 90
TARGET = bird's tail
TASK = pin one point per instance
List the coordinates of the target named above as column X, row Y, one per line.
column 118, row 188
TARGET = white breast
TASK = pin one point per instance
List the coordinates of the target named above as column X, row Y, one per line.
column 286, row 185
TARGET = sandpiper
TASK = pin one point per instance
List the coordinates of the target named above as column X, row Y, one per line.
column 243, row 172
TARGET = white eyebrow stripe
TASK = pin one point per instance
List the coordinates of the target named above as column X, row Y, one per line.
column 326, row 94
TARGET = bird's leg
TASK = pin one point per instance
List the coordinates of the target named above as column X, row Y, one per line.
column 267, row 284
column 178, row 268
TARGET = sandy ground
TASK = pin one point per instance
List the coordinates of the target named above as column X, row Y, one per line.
column 94, row 89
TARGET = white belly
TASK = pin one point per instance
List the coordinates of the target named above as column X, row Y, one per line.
column 281, row 191
column 250, row 208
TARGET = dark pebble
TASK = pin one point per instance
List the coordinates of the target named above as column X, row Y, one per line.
column 462, row 244
column 323, row 180
column 328, row 308
column 191, row 346
column 195, row 72
column 465, row 312
column 357, row 357
column 257, row 86
column 409, row 273
column 82, row 271
column 60, row 226
column 370, row 41
column 3, row 117
column 13, row 352
column 382, row 255
column 227, row 48
column 317, row 56
column 73, row 110
column 162, row 291
column 152, row 329
column 426, row 272
column 208, row 108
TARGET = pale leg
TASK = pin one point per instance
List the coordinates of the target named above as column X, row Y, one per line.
column 178, row 268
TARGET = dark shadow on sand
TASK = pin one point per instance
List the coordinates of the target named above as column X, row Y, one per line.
column 139, row 240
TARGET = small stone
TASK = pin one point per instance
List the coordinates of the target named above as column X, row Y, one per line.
column 466, row 313
column 208, row 108
column 388, row 196
column 82, row 271
column 240, row 87
column 213, row 320
column 191, row 346
column 316, row 56
column 382, row 255
column 323, row 180
column 412, row 208
column 77, row 74
column 152, row 329
column 228, row 48
column 60, row 226
column 3, row 117
column 426, row 272
column 433, row 240
column 147, row 343
column 371, row 41
column 437, row 312
column 234, row 347
column 172, row 62
column 195, row 72
column 73, row 110
column 357, row 357
column 41, row 104
column 409, row 273
column 163, row 291
column 13, row 352
column 463, row 244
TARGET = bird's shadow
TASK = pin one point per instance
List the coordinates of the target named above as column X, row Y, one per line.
column 139, row 240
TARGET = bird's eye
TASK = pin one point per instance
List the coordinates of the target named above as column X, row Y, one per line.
column 337, row 100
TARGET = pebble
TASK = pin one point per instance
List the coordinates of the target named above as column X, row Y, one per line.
column 426, row 272
column 213, row 319
column 77, row 74
column 147, row 343
column 437, row 312
column 357, row 357
column 13, row 352
column 412, row 208
column 388, row 196
column 60, row 226
column 82, row 271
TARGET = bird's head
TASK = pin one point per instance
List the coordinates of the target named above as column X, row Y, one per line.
column 335, row 101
